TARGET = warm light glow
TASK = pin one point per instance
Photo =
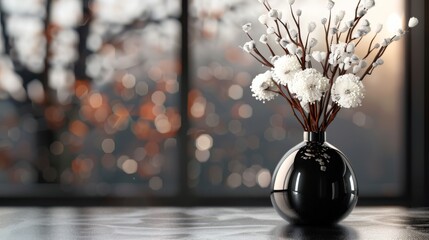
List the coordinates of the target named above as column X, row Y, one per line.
column 394, row 22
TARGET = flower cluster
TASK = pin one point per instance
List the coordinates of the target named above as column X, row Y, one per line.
column 317, row 82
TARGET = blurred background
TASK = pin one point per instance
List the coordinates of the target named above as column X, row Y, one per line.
column 148, row 102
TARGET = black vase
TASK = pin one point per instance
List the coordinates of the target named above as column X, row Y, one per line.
column 314, row 183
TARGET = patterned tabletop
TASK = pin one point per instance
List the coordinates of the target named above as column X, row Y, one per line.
column 62, row 223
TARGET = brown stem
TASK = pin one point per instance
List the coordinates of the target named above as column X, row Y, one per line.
column 278, row 29
column 292, row 105
column 259, row 60
column 328, row 50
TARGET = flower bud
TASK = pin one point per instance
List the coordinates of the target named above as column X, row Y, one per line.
column 378, row 28
column 274, row 59
column 330, row 4
column 273, row 13
column 350, row 23
column 350, row 48
column 377, row 45
column 311, row 27
column 356, row 69
column 365, row 23
column 413, row 22
column 380, row 61
column 263, row 39
column 293, row 33
column 362, row 12
column 270, row 30
column 291, row 48
column 363, row 64
column 247, row 27
column 341, row 15
column 263, row 19
column 249, row 46
column 317, row 56
column 299, row 52
column 354, row 59
column 396, row 38
column 344, row 28
column 369, row 4
column 313, row 42
column 298, row 12
column 283, row 42
column 291, row 2
column 323, row 21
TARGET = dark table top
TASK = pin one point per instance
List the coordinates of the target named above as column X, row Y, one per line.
column 63, row 223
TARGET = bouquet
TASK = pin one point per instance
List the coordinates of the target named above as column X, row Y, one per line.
column 317, row 77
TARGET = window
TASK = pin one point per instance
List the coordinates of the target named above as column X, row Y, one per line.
column 94, row 108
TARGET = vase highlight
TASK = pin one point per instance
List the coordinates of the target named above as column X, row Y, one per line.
column 314, row 183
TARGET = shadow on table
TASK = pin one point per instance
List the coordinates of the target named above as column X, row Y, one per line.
column 314, row 232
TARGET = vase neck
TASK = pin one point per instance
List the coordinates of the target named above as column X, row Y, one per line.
column 315, row 137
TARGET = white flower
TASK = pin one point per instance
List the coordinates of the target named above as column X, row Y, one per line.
column 330, row 4
column 413, row 22
column 309, row 85
column 263, row 86
column 247, row 27
column 348, row 91
column 249, row 46
column 263, row 19
column 285, row 68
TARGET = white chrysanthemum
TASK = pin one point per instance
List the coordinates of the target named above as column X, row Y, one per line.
column 262, row 87
column 348, row 91
column 309, row 85
column 285, row 68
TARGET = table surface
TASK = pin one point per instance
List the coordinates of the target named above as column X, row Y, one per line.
column 63, row 223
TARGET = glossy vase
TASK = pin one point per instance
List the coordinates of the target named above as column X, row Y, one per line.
column 314, row 183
